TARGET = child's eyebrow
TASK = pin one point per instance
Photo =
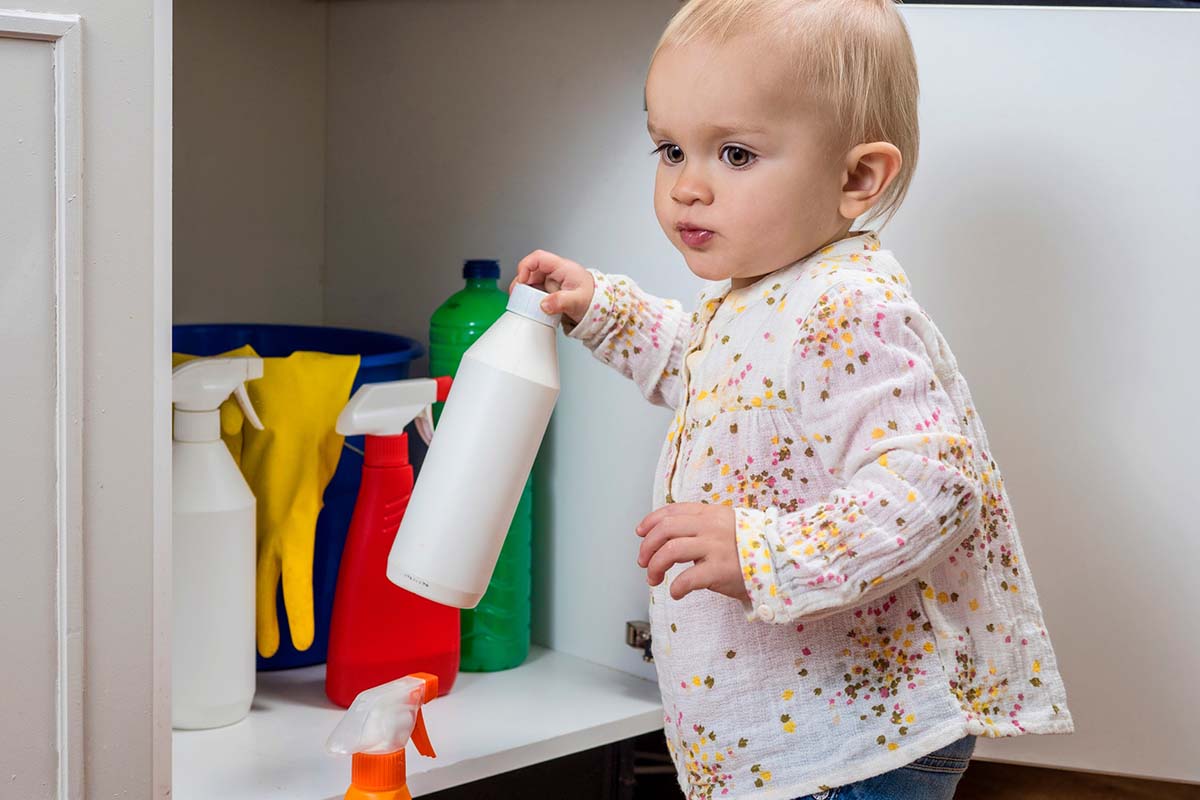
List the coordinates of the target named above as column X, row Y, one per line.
column 717, row 131
column 732, row 128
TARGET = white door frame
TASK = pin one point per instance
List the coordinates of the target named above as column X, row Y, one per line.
column 62, row 34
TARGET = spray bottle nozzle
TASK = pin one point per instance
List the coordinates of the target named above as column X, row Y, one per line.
column 384, row 409
column 198, row 387
column 382, row 719
column 377, row 726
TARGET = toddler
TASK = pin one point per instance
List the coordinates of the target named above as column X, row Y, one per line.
column 840, row 602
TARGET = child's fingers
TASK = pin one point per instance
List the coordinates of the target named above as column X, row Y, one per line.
column 669, row 510
column 675, row 551
column 565, row 275
column 537, row 266
column 669, row 528
column 691, row 579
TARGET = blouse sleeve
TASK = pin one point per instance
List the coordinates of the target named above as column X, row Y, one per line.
column 639, row 335
column 881, row 423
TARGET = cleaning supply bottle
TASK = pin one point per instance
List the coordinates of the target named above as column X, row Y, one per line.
column 379, row 631
column 213, row 549
column 375, row 730
column 495, row 634
column 477, row 466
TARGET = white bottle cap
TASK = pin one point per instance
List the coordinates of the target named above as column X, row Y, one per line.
column 527, row 301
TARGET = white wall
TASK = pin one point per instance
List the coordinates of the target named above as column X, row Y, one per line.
column 249, row 160
column 1049, row 232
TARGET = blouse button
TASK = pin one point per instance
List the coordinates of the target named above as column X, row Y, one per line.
column 766, row 613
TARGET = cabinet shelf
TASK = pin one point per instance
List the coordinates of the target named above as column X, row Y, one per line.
column 552, row 705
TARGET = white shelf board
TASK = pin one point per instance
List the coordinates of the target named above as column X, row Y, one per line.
column 552, row 705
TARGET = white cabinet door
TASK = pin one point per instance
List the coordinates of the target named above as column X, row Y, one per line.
column 1050, row 231
column 85, row 329
column 39, row 399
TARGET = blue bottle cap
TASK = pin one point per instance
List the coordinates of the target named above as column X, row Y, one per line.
column 481, row 268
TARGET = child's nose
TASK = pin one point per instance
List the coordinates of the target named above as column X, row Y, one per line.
column 691, row 187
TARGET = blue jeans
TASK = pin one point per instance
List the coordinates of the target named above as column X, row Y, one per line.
column 931, row 777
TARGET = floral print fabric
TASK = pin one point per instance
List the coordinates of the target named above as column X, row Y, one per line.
column 891, row 608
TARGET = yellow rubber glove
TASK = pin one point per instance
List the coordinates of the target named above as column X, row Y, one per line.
column 288, row 465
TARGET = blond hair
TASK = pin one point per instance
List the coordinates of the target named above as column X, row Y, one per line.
column 854, row 55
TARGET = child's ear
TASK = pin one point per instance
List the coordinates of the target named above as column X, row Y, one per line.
column 869, row 170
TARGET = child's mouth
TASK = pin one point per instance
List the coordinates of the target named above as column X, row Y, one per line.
column 693, row 236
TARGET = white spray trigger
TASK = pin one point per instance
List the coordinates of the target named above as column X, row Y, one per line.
column 243, row 400
column 384, row 409
column 424, row 424
column 380, row 720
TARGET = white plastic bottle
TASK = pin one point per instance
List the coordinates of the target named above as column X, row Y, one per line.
column 212, row 659
column 473, row 476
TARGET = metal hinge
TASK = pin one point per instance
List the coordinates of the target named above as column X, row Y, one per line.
column 637, row 634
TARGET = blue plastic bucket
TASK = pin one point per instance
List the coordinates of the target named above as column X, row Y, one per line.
column 385, row 357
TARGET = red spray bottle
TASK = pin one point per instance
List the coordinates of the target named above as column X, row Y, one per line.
column 379, row 631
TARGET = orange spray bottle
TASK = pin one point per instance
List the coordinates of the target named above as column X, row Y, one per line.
column 375, row 730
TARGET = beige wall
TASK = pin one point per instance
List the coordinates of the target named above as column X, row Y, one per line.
column 249, row 160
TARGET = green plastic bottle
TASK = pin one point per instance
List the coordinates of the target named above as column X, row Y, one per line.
column 495, row 634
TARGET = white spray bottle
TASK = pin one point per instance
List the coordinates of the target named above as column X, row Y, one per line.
column 212, row 663
column 477, row 465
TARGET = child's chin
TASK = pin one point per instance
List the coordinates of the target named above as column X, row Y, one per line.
column 705, row 265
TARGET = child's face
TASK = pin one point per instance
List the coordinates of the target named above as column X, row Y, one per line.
column 748, row 181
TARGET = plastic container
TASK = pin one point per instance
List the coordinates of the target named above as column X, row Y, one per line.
column 495, row 634
column 479, row 461
column 213, row 525
column 385, row 357
column 381, row 632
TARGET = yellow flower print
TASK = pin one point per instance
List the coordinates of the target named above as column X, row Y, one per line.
column 703, row 761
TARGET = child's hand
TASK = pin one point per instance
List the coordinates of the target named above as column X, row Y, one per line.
column 569, row 284
column 683, row 532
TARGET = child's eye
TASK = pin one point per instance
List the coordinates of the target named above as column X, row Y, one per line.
column 737, row 157
column 670, row 153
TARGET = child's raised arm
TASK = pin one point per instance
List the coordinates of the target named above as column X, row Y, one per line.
column 640, row 335
column 877, row 419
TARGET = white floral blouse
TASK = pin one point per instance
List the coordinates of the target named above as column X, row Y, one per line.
column 892, row 611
